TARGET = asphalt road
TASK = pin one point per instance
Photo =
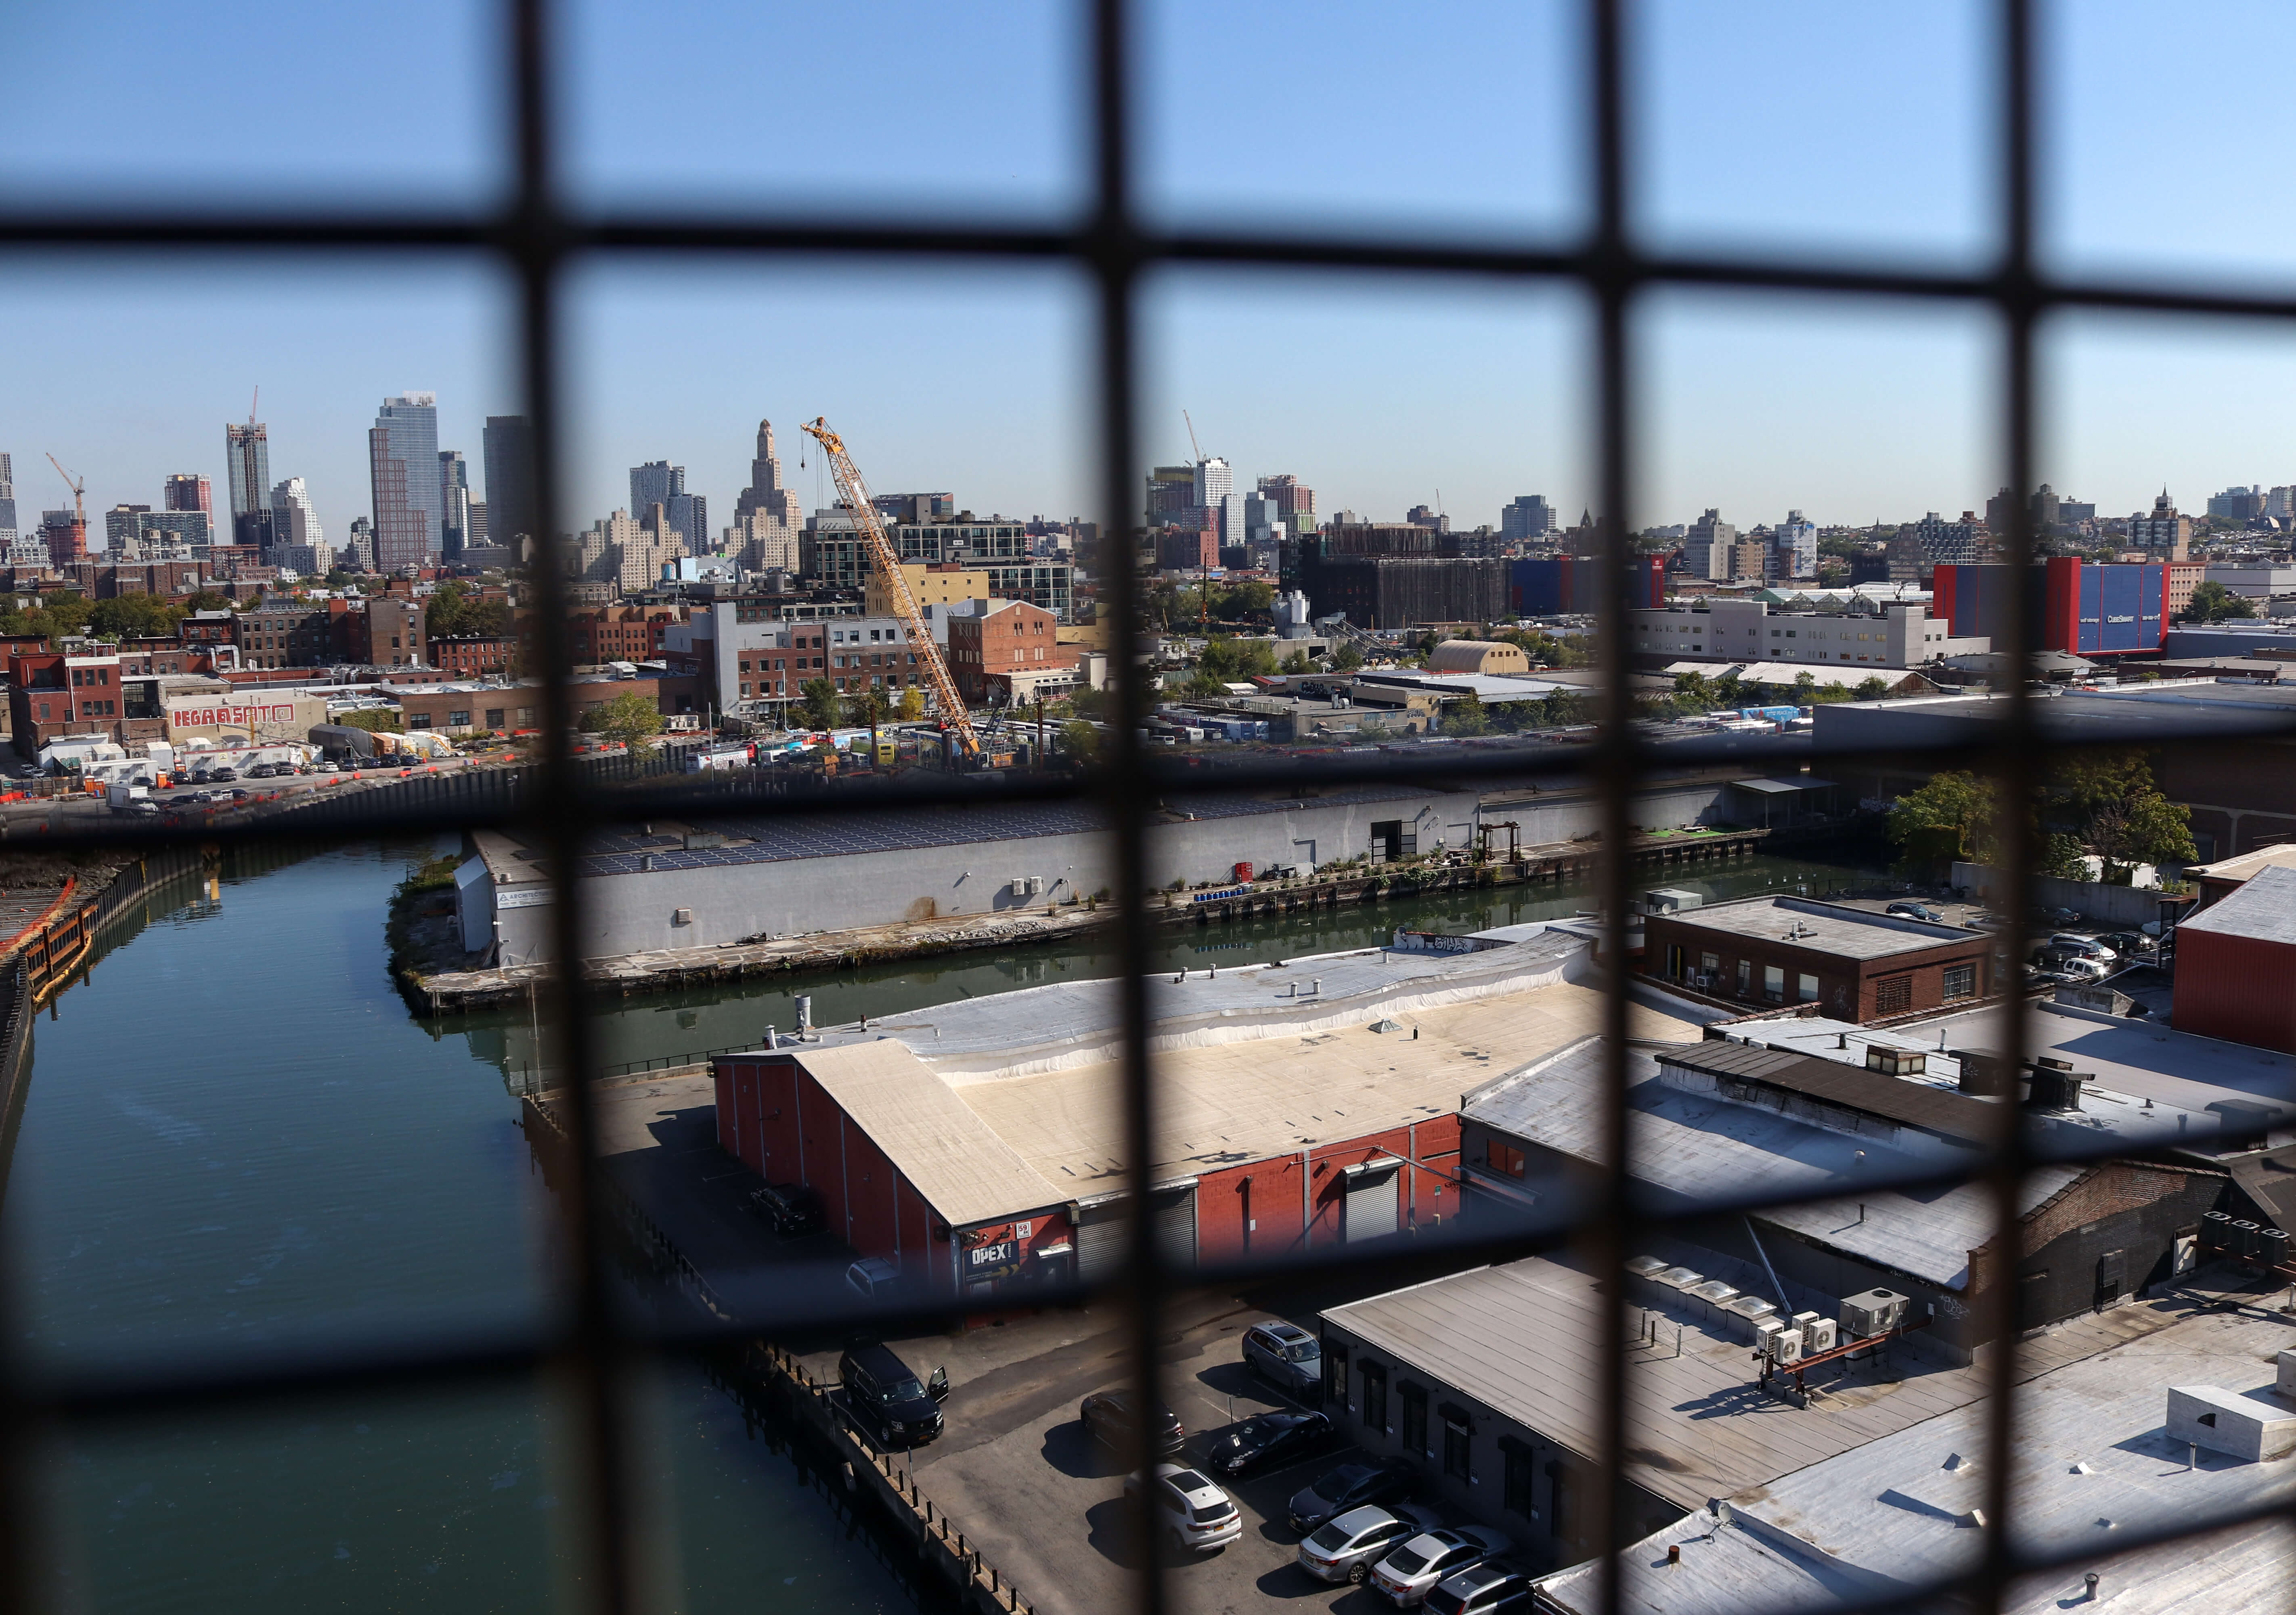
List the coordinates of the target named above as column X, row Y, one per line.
column 1019, row 1474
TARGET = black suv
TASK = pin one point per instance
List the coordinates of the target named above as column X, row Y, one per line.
column 886, row 1400
column 790, row 1209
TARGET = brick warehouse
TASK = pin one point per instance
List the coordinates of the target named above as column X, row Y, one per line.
column 1856, row 965
column 1308, row 1104
column 909, row 1172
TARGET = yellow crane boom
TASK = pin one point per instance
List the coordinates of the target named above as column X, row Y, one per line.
column 888, row 562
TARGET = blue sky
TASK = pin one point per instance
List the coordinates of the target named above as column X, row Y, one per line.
column 1788, row 129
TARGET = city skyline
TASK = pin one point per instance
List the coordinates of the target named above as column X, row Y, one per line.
column 1849, row 413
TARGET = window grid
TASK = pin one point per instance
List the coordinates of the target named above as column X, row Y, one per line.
column 593, row 1358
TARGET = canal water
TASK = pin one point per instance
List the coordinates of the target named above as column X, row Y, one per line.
column 238, row 1145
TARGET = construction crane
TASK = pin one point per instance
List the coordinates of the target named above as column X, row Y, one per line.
column 888, row 562
column 79, row 506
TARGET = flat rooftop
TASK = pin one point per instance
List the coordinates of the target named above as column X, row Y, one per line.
column 1245, row 1071
column 1523, row 1340
column 2282, row 854
column 1832, row 928
column 2093, row 1458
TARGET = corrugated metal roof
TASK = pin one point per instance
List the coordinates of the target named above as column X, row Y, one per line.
column 1524, row 1341
column 2263, row 909
column 940, row 1143
column 1941, row 1111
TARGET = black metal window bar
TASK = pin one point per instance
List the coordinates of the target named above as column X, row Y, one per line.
column 539, row 240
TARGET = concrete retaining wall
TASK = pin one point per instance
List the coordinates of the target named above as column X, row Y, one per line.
column 2123, row 906
column 627, row 913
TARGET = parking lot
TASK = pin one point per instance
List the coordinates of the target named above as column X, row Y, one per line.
column 1018, row 1473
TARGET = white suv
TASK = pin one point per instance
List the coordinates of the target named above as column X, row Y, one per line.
column 1192, row 1513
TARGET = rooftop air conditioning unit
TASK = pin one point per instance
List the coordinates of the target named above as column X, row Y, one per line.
column 1767, row 1333
column 1786, row 1346
column 1818, row 1335
column 1871, row 1313
column 1895, row 1062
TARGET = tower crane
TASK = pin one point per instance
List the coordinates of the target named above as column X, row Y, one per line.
column 79, row 506
column 888, row 562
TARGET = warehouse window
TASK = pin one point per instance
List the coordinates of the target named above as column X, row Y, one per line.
column 1893, row 995
column 1414, row 1417
column 1458, row 1444
column 1503, row 1156
column 1375, row 1397
column 1960, row 982
column 1519, row 1489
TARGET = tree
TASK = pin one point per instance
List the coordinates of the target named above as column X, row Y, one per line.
column 1225, row 658
column 1465, row 716
column 913, row 704
column 129, row 616
column 1347, row 659
column 867, row 707
column 1872, row 689
column 1080, row 741
column 820, row 700
column 209, row 600
column 629, row 718
column 2119, row 812
column 1950, row 817
column 1297, row 662
column 375, row 720
column 2213, row 602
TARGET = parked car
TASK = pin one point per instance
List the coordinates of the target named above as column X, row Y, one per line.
column 1287, row 1356
column 1349, row 1486
column 1406, row 1576
column 1346, row 1548
column 2069, row 943
column 872, row 1278
column 888, row 1401
column 1908, row 910
column 1193, row 1513
column 1112, row 1419
column 2078, row 968
column 1493, row 1587
column 789, row 1208
column 1270, row 1441
column 2126, row 942
column 2057, row 916
column 222, row 776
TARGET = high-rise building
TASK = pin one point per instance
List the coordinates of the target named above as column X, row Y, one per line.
column 120, row 529
column 1530, row 516
column 7, row 497
column 1172, row 495
column 293, row 521
column 360, row 551
column 188, row 491
column 454, row 502
column 1795, row 543
column 402, row 466
column 2163, row 531
column 247, row 451
column 65, row 535
column 766, row 518
column 654, row 482
column 509, row 447
column 1213, row 481
column 2238, row 504
column 1295, row 501
column 474, row 530
column 1708, row 550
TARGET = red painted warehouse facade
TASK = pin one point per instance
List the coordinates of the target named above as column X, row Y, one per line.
column 912, row 1175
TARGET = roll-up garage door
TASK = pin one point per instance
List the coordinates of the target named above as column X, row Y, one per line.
column 1100, row 1233
column 1174, row 1208
column 1369, row 1210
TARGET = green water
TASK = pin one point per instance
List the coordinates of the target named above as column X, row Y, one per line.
column 237, row 1144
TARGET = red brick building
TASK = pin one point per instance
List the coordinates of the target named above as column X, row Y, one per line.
column 50, row 693
column 1178, row 550
column 1854, row 963
column 986, row 650
column 910, row 1172
column 474, row 656
column 622, row 633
